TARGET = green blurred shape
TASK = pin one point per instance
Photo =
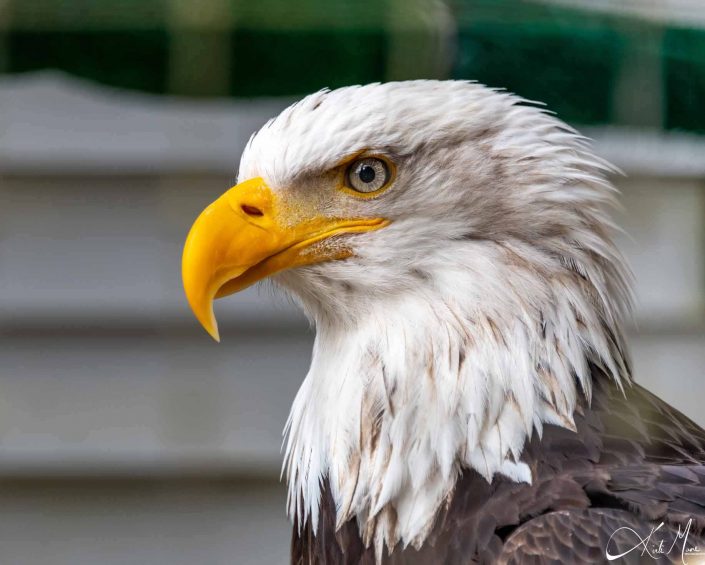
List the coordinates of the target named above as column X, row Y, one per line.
column 199, row 63
column 87, row 15
column 567, row 63
column 684, row 78
column 311, row 15
column 128, row 59
column 270, row 62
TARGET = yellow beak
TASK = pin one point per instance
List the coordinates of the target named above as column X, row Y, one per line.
column 244, row 237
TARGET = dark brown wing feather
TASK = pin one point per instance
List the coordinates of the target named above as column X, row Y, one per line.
column 582, row 536
column 634, row 462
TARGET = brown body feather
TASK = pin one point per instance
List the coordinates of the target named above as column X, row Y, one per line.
column 633, row 462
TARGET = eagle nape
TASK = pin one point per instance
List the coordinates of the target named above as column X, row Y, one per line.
column 470, row 397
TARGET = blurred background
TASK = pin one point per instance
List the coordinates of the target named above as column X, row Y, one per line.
column 126, row 435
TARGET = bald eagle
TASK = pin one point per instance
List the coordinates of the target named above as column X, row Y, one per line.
column 470, row 396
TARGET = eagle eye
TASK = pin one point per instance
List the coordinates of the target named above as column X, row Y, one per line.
column 367, row 175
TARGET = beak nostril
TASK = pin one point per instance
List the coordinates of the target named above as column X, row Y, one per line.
column 251, row 210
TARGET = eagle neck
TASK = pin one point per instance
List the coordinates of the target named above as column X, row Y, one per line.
column 396, row 403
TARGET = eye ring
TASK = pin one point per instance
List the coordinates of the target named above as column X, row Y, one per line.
column 368, row 175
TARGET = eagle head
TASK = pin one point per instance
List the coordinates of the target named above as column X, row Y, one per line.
column 452, row 245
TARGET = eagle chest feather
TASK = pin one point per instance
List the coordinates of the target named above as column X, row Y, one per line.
column 633, row 462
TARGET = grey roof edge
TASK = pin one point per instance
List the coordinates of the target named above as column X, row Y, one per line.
column 56, row 124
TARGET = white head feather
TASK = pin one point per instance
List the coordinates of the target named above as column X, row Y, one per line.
column 457, row 331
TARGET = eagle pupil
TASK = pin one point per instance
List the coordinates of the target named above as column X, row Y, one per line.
column 367, row 174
